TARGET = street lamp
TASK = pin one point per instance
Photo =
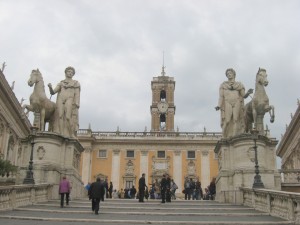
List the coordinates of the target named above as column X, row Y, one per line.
column 29, row 174
column 257, row 178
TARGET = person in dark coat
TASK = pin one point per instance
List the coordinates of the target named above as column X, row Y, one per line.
column 132, row 192
column 168, row 188
column 212, row 189
column 105, row 183
column 142, row 185
column 164, row 188
column 110, row 189
column 96, row 192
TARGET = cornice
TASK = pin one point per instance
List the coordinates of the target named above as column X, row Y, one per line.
column 13, row 105
column 289, row 134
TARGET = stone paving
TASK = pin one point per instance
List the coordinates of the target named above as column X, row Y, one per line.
column 130, row 211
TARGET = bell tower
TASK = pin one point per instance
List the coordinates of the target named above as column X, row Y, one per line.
column 162, row 108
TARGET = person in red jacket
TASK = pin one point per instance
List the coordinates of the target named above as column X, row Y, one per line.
column 64, row 189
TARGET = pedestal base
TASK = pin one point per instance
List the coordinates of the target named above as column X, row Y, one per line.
column 54, row 156
column 237, row 167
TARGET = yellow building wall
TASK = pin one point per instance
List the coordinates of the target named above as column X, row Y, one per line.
column 101, row 165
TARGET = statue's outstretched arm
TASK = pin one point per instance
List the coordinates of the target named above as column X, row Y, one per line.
column 250, row 91
column 53, row 91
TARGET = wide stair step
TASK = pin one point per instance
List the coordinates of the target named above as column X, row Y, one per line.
column 130, row 211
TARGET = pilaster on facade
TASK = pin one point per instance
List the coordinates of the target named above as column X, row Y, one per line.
column 86, row 165
column 144, row 164
column 115, row 168
column 177, row 169
column 205, row 168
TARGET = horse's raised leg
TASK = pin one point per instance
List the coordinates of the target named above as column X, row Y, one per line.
column 272, row 114
column 28, row 108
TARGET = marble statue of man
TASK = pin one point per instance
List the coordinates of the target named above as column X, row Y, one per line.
column 67, row 104
column 231, row 105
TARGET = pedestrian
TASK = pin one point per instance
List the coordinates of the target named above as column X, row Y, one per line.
column 146, row 193
column 105, row 183
column 115, row 194
column 199, row 192
column 142, row 185
column 187, row 189
column 96, row 192
column 110, row 189
column 64, row 190
column 168, row 188
column 132, row 192
column 212, row 189
column 165, row 188
column 87, row 187
column 174, row 187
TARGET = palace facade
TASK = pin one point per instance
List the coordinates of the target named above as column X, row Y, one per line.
column 289, row 152
column 14, row 124
column 122, row 157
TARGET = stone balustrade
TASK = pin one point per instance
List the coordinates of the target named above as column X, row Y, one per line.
column 281, row 204
column 290, row 175
column 21, row 195
column 163, row 135
column 8, row 178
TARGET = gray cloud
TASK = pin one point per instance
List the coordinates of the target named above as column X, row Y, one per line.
column 116, row 48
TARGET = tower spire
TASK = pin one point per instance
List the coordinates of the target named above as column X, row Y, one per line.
column 163, row 65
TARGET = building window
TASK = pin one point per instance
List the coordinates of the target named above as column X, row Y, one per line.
column 102, row 154
column 161, row 154
column 129, row 184
column 130, row 154
column 191, row 154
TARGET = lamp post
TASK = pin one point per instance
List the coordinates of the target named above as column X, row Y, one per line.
column 29, row 174
column 257, row 178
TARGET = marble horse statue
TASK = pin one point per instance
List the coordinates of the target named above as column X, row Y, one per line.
column 43, row 108
column 259, row 105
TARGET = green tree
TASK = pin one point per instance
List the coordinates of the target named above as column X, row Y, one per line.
column 6, row 167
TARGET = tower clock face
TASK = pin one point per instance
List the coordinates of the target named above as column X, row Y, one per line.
column 162, row 107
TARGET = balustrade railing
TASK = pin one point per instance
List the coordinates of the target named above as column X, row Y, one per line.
column 165, row 135
column 281, row 204
column 290, row 176
column 21, row 195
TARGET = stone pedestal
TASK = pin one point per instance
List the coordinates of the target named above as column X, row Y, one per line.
column 53, row 157
column 236, row 165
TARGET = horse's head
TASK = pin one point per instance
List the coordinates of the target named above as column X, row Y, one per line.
column 262, row 77
column 35, row 77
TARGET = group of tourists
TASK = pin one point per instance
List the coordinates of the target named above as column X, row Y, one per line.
column 164, row 190
column 193, row 190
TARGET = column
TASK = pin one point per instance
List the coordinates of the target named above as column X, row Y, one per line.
column 205, row 169
column 144, row 165
column 177, row 170
column 115, row 169
column 86, row 165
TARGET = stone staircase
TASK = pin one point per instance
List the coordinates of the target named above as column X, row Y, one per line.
column 130, row 211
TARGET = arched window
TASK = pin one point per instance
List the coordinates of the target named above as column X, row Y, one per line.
column 163, row 95
column 162, row 121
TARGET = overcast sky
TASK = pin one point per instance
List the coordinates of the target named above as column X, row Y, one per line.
column 117, row 48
